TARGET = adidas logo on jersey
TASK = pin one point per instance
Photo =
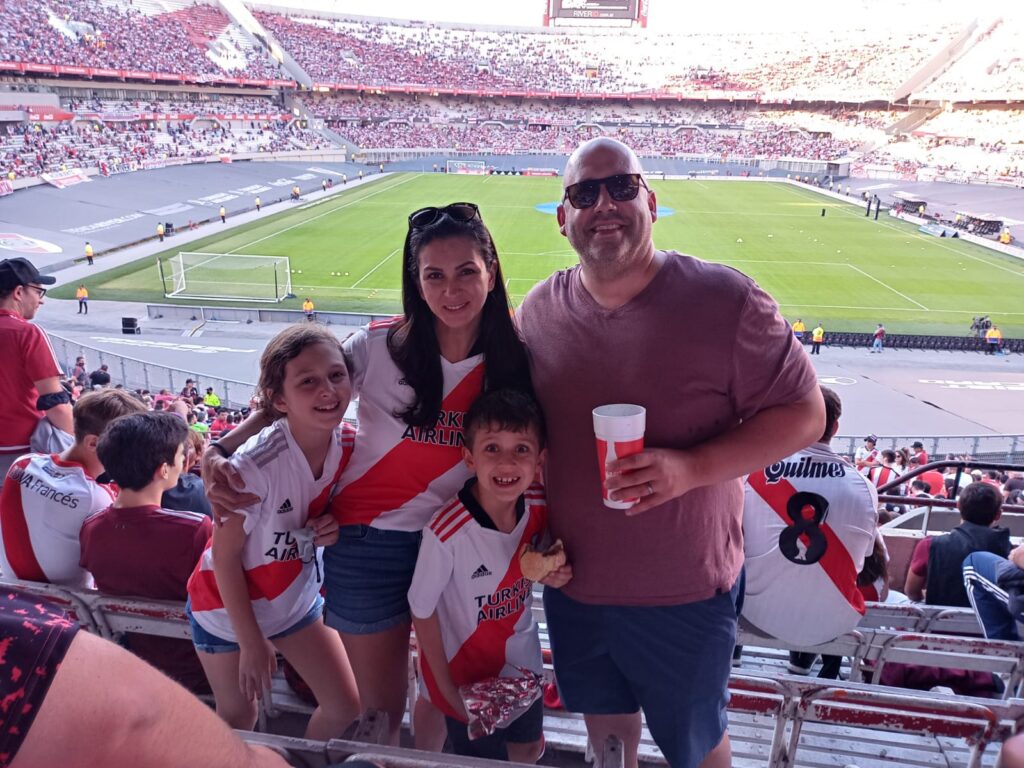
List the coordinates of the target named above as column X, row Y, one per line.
column 480, row 572
column 285, row 508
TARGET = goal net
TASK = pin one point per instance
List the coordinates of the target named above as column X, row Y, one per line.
column 475, row 167
column 226, row 276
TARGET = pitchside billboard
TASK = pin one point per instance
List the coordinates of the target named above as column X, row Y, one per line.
column 629, row 11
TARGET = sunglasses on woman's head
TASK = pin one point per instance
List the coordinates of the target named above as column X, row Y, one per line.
column 424, row 217
column 621, row 188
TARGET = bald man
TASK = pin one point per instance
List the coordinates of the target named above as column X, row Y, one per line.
column 649, row 619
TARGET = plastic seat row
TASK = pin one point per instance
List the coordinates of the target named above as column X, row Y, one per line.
column 777, row 714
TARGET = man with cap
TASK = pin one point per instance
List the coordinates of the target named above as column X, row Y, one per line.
column 867, row 454
column 917, row 450
column 30, row 376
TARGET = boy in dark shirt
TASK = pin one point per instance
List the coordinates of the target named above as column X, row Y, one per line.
column 136, row 547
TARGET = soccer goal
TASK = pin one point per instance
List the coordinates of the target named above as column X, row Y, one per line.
column 226, row 276
column 474, row 167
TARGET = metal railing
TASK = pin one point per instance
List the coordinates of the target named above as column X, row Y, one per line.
column 997, row 448
column 143, row 374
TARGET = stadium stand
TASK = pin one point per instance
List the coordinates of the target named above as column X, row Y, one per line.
column 194, row 40
column 779, row 719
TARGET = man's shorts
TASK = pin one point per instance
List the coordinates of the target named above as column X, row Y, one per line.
column 673, row 661
column 526, row 728
column 367, row 575
column 207, row 642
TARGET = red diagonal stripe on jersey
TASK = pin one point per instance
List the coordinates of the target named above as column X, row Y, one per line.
column 836, row 561
column 320, row 504
column 264, row 581
column 17, row 542
column 482, row 655
column 362, row 500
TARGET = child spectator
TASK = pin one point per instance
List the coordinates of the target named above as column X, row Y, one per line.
column 46, row 498
column 471, row 603
column 136, row 547
column 256, row 590
column 221, row 424
column 189, row 494
column 935, row 575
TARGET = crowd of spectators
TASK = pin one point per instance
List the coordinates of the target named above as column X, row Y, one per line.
column 846, row 64
column 27, row 150
column 114, row 35
column 773, row 142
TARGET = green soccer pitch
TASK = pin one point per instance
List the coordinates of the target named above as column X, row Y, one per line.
column 844, row 270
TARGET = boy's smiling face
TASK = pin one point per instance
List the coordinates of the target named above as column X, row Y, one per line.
column 505, row 462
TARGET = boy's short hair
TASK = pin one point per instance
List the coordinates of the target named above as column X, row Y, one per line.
column 95, row 410
column 980, row 503
column 510, row 410
column 133, row 447
column 833, row 410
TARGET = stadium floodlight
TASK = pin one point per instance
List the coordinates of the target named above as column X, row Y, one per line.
column 226, row 276
column 473, row 167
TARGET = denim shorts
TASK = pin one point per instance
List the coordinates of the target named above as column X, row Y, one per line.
column 671, row 660
column 367, row 575
column 207, row 642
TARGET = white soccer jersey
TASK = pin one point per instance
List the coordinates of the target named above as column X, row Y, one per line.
column 44, row 503
column 469, row 573
column 401, row 475
column 864, row 455
column 281, row 571
column 808, row 523
column 881, row 475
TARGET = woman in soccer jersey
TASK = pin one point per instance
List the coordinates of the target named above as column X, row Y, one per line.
column 416, row 375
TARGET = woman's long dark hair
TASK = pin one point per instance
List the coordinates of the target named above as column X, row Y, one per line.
column 413, row 342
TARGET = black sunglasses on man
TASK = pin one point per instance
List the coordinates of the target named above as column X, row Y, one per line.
column 622, row 187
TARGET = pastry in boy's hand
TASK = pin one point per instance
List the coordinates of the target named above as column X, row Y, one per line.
column 537, row 565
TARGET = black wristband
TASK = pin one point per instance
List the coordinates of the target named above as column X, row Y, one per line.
column 52, row 399
column 220, row 449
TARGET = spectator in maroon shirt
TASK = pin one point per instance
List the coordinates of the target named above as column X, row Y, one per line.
column 136, row 547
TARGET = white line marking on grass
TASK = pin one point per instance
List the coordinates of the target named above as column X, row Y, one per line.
column 922, row 238
column 304, row 222
column 886, row 285
column 375, row 268
column 897, row 309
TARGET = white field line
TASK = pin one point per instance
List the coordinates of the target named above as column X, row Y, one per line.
column 886, row 285
column 304, row 222
column 898, row 309
column 931, row 240
column 375, row 268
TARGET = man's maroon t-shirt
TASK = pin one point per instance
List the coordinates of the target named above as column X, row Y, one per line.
column 703, row 348
column 149, row 552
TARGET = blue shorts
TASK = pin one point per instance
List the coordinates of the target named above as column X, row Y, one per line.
column 367, row 575
column 207, row 642
column 525, row 729
column 673, row 661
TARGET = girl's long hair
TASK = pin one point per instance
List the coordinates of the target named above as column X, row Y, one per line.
column 413, row 342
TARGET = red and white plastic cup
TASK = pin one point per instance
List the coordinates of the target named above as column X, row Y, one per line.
column 619, row 429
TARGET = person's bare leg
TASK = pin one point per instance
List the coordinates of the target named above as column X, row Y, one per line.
column 318, row 656
column 428, row 723
column 222, row 671
column 380, row 662
column 626, row 727
column 720, row 756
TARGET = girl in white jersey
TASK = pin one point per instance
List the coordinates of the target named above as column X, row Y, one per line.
column 256, row 589
column 416, row 375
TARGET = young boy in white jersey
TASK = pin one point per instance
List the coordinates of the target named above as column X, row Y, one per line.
column 47, row 497
column 256, row 590
column 470, row 601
